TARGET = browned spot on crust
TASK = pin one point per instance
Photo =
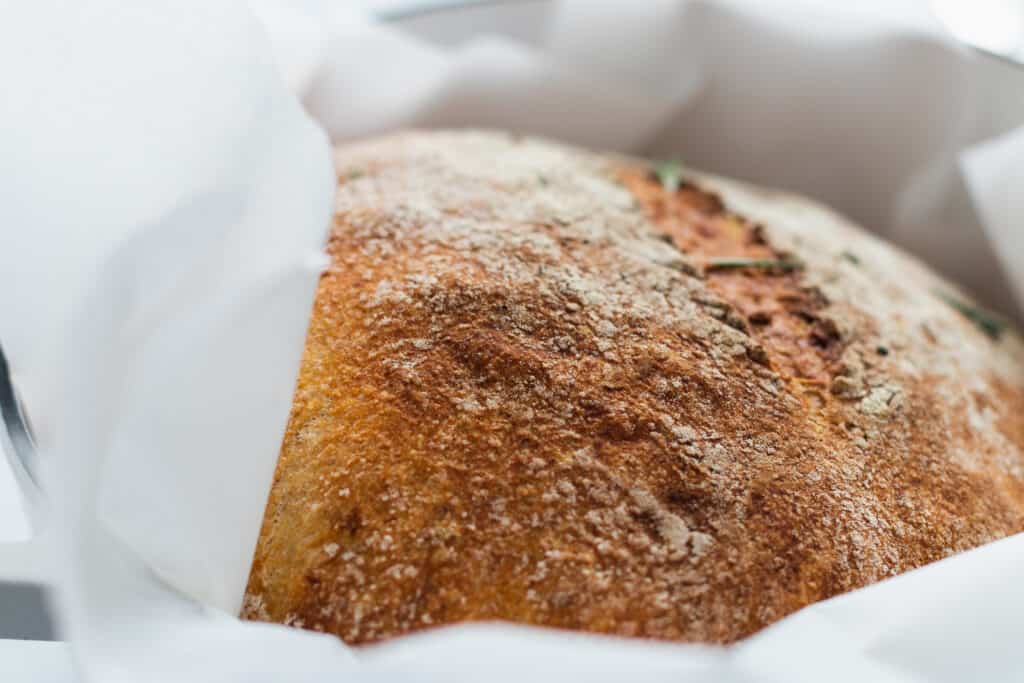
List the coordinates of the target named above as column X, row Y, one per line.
column 783, row 314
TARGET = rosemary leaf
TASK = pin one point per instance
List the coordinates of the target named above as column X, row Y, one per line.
column 670, row 173
column 988, row 322
column 785, row 265
column 851, row 257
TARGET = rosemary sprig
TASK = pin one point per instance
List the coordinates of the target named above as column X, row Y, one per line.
column 670, row 173
column 988, row 322
column 851, row 257
column 785, row 265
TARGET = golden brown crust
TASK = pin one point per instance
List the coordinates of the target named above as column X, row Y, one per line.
column 525, row 396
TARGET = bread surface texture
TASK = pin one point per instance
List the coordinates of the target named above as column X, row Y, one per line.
column 550, row 386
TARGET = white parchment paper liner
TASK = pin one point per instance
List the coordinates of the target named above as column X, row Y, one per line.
column 166, row 199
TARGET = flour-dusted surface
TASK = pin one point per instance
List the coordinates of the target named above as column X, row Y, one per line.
column 529, row 394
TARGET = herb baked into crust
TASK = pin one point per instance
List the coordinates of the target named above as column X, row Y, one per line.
column 554, row 387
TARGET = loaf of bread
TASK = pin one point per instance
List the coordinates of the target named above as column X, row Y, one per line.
column 554, row 387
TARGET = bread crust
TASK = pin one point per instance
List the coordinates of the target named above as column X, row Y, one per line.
column 529, row 394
